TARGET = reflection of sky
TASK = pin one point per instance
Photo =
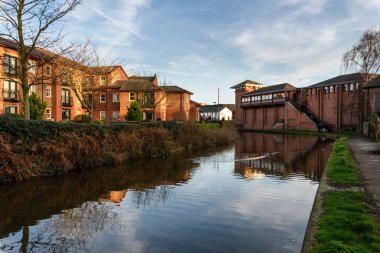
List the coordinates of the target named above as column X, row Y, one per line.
column 213, row 212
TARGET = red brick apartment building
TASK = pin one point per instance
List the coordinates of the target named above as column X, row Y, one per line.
column 111, row 95
column 337, row 104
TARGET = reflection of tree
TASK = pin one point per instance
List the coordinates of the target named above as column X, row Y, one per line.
column 72, row 231
column 152, row 198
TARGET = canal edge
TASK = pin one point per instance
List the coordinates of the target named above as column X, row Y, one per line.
column 316, row 213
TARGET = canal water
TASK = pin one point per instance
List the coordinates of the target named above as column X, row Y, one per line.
column 253, row 197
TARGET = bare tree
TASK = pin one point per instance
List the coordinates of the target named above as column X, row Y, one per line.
column 27, row 23
column 365, row 57
column 82, row 69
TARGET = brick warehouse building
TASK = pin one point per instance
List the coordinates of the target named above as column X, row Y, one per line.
column 111, row 94
column 337, row 104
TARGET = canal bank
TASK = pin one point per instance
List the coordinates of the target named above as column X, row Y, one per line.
column 342, row 218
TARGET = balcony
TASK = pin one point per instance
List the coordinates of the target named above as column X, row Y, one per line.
column 67, row 101
column 11, row 95
column 266, row 102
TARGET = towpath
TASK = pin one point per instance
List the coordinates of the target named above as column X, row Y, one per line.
column 367, row 154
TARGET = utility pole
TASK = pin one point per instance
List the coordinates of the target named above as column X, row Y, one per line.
column 218, row 106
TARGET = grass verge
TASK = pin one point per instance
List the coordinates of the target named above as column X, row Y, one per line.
column 346, row 224
column 342, row 168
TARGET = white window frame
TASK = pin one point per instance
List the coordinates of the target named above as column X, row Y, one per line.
column 31, row 66
column 103, row 80
column 48, row 92
column 102, row 115
column 130, row 99
column 10, row 64
column 116, row 97
column 32, row 89
column 116, row 115
column 48, row 113
column 101, row 97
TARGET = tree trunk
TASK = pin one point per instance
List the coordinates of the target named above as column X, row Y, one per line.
column 25, row 239
column 26, row 104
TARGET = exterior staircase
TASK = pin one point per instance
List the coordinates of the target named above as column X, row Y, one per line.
column 322, row 127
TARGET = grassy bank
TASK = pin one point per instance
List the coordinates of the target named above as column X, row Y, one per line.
column 39, row 148
column 346, row 223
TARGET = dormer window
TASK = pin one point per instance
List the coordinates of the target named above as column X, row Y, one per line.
column 103, row 80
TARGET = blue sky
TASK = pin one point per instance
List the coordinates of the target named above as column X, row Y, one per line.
column 203, row 45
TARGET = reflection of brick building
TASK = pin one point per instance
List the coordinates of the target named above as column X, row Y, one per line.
column 110, row 93
column 259, row 154
column 339, row 103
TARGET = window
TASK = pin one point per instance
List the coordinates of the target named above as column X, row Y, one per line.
column 10, row 65
column 357, row 86
column 103, row 97
column 345, row 87
column 103, row 80
column 48, row 92
column 332, row 89
column 10, row 109
column 352, row 86
column 65, row 97
column 66, row 114
column 32, row 89
column 48, row 70
column 102, row 115
column 116, row 115
column 48, row 113
column 116, row 97
column 132, row 96
column 326, row 90
column 31, row 66
column 10, row 89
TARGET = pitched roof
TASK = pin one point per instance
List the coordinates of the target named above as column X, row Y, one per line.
column 195, row 103
column 374, row 83
column 103, row 69
column 214, row 108
column 174, row 88
column 36, row 52
column 134, row 85
column 246, row 82
column 146, row 78
column 271, row 89
column 355, row 77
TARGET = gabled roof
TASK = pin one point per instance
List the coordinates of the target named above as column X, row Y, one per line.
column 214, row 108
column 271, row 89
column 146, row 78
column 134, row 85
column 103, row 69
column 374, row 83
column 245, row 83
column 355, row 77
column 174, row 88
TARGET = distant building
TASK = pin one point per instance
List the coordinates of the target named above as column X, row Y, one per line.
column 212, row 112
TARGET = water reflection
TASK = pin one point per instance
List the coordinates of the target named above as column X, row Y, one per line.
column 284, row 156
column 255, row 197
column 81, row 199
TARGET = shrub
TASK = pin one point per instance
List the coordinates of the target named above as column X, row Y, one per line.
column 134, row 112
column 82, row 118
column 37, row 107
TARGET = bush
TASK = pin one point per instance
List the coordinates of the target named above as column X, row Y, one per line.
column 134, row 112
column 37, row 107
column 33, row 147
column 82, row 118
